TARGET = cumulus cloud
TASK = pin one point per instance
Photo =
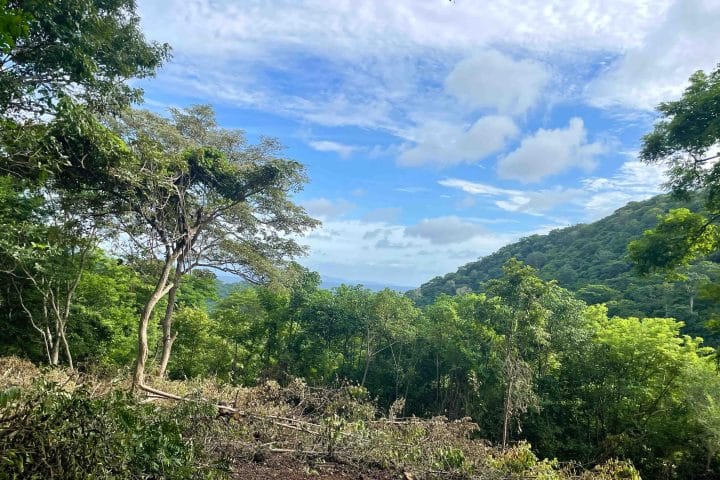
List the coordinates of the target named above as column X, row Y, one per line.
column 445, row 230
column 444, row 144
column 549, row 152
column 329, row 146
column 327, row 209
column 496, row 81
column 656, row 69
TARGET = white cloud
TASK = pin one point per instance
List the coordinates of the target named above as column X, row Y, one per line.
column 412, row 190
column 371, row 64
column 476, row 188
column 493, row 80
column 445, row 230
column 328, row 146
column 380, row 252
column 549, row 152
column 345, row 28
column 634, row 181
column 535, row 202
column 541, row 201
column 596, row 197
column 444, row 144
column 327, row 209
column 657, row 69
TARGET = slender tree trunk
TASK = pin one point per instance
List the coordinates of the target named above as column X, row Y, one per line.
column 367, row 367
column 692, row 303
column 161, row 289
column 55, row 352
column 368, row 356
column 168, row 337
column 437, row 382
column 67, row 351
column 510, row 378
column 506, row 416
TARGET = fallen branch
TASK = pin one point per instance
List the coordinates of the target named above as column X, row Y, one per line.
column 155, row 393
column 300, row 452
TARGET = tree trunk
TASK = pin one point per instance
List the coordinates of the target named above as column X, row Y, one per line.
column 168, row 338
column 367, row 367
column 161, row 289
column 67, row 351
column 506, row 416
column 692, row 303
column 368, row 355
column 55, row 353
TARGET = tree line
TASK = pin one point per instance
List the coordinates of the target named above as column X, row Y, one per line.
column 114, row 219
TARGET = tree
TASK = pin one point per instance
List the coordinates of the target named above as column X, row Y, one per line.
column 83, row 49
column 44, row 248
column 186, row 192
column 640, row 378
column 680, row 237
column 53, row 54
column 387, row 326
column 519, row 315
column 688, row 128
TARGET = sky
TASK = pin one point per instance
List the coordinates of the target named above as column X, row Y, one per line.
column 434, row 132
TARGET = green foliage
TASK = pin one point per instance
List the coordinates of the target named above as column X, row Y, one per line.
column 84, row 49
column 680, row 236
column 690, row 125
column 13, row 25
column 50, row 433
column 603, row 272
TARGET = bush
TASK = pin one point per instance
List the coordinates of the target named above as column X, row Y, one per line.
column 51, row 433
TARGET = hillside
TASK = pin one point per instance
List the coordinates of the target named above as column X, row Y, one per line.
column 590, row 259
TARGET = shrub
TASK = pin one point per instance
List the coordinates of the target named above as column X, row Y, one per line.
column 51, row 433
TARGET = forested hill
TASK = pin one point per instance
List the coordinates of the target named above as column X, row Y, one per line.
column 591, row 260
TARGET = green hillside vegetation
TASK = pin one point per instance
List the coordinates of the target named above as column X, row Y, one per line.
column 123, row 356
column 592, row 261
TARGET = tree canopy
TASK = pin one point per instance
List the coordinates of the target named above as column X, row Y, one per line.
column 82, row 49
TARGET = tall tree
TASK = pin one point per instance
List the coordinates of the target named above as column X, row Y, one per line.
column 520, row 316
column 53, row 54
column 186, row 192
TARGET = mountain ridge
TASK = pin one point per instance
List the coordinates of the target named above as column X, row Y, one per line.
column 590, row 259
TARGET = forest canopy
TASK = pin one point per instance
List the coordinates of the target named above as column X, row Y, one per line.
column 118, row 220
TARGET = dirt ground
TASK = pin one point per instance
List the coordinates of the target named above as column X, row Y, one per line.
column 282, row 467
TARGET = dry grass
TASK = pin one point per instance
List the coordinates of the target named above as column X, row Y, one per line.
column 337, row 425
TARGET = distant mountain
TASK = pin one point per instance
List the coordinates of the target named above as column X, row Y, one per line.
column 591, row 260
column 332, row 282
column 227, row 284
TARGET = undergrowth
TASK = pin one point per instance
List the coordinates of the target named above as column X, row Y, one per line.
column 57, row 425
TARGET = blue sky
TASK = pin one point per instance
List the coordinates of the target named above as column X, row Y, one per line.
column 435, row 132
